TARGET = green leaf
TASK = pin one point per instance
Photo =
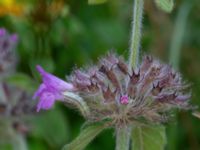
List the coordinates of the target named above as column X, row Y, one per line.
column 165, row 5
column 19, row 142
column 85, row 137
column 6, row 131
column 148, row 138
column 51, row 126
column 96, row 1
column 22, row 81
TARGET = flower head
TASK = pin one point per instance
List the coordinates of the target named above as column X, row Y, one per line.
column 145, row 94
column 112, row 91
column 50, row 90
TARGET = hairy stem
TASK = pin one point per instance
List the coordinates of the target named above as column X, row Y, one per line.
column 136, row 33
column 123, row 138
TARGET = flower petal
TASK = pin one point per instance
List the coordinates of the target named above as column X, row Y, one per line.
column 52, row 81
column 124, row 99
column 47, row 101
column 39, row 91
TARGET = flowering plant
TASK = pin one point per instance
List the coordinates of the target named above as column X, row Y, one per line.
column 116, row 95
column 131, row 97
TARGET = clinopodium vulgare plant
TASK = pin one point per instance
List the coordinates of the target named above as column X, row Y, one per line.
column 112, row 93
column 134, row 98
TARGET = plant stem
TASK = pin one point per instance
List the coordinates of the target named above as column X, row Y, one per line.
column 174, row 58
column 178, row 35
column 136, row 33
column 123, row 138
column 19, row 142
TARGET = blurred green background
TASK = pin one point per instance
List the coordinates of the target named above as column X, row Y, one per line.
column 65, row 34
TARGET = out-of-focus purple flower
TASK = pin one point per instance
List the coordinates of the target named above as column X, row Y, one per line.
column 50, row 90
column 2, row 31
column 14, row 37
column 8, row 56
column 7, row 41
column 15, row 106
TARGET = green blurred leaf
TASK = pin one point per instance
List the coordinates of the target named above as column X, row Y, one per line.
column 22, row 81
column 51, row 126
column 148, row 138
column 45, row 62
column 96, row 1
column 165, row 5
column 6, row 131
column 85, row 137
column 6, row 147
column 19, row 142
column 37, row 143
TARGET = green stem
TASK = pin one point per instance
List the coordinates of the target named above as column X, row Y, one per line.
column 2, row 94
column 19, row 142
column 136, row 33
column 123, row 138
column 178, row 35
column 174, row 59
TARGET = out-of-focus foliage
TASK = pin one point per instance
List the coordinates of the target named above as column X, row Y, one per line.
column 165, row 5
column 96, row 1
column 85, row 137
column 144, row 138
column 11, row 7
column 63, row 34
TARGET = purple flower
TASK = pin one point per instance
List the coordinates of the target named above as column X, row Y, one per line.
column 124, row 99
column 7, row 41
column 2, row 31
column 149, row 92
column 8, row 57
column 50, row 90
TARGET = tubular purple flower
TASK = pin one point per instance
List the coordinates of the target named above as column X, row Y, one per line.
column 50, row 90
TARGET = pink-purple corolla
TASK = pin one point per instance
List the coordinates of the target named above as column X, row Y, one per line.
column 50, row 90
column 124, row 99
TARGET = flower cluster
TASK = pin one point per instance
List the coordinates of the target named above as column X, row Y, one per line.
column 112, row 91
column 7, row 52
column 14, row 102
